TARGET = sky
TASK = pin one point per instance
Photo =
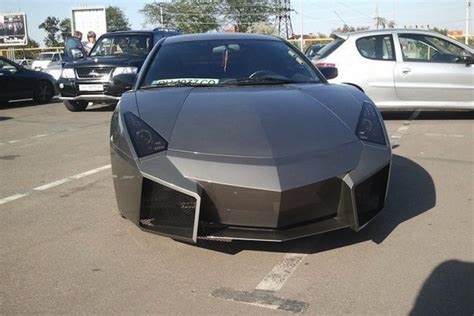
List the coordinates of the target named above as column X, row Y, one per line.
column 312, row 16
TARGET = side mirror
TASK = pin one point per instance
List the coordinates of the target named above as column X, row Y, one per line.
column 329, row 72
column 466, row 59
column 124, row 81
column 76, row 53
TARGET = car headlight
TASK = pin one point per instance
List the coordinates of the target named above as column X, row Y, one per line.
column 125, row 70
column 370, row 128
column 68, row 73
column 145, row 140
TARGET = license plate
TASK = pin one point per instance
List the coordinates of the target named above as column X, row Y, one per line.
column 91, row 87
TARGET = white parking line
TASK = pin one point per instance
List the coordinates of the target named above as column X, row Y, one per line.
column 53, row 184
column 402, row 130
column 444, row 135
column 275, row 280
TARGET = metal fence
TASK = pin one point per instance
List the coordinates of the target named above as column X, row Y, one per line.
column 17, row 53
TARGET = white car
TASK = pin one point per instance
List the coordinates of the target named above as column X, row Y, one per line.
column 403, row 68
column 45, row 60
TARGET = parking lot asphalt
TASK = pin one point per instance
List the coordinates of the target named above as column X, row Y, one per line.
column 64, row 249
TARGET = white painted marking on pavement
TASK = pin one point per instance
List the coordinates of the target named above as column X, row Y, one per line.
column 13, row 197
column 275, row 280
column 40, row 135
column 51, row 185
column 444, row 135
column 402, row 130
column 54, row 184
column 14, row 141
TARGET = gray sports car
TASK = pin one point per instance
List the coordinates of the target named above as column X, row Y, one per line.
column 239, row 136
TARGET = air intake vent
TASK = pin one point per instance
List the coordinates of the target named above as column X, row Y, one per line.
column 370, row 196
column 167, row 211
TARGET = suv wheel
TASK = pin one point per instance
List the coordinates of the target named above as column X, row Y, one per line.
column 43, row 92
column 76, row 106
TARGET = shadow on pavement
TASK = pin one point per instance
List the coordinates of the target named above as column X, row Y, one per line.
column 428, row 115
column 411, row 193
column 449, row 290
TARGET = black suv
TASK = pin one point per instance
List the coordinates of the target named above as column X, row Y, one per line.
column 90, row 78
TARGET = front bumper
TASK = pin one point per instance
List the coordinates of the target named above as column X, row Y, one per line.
column 158, row 194
column 69, row 90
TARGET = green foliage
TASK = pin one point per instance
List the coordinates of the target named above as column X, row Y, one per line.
column 51, row 27
column 20, row 53
column 116, row 19
column 196, row 16
column 244, row 13
column 440, row 30
column 190, row 16
column 346, row 29
column 262, row 28
column 65, row 29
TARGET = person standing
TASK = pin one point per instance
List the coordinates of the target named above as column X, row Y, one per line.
column 91, row 39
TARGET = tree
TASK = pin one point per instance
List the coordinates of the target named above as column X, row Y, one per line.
column 116, row 19
column 188, row 15
column 346, row 29
column 20, row 53
column 65, row 29
column 51, row 27
column 262, row 28
column 243, row 14
column 440, row 30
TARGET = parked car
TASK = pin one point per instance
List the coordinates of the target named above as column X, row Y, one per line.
column 45, row 60
column 17, row 82
column 90, row 79
column 238, row 136
column 404, row 68
column 25, row 63
column 312, row 50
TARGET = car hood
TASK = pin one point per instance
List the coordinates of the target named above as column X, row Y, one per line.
column 254, row 122
column 40, row 63
column 109, row 61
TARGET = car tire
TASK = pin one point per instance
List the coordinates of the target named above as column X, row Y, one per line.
column 44, row 92
column 76, row 106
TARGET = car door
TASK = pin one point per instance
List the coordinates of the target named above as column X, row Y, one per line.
column 373, row 69
column 430, row 71
column 18, row 82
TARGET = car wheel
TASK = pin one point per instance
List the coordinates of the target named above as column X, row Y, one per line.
column 76, row 106
column 43, row 92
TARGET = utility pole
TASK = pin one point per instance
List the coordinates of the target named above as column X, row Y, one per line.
column 161, row 14
column 283, row 19
column 302, row 26
column 468, row 20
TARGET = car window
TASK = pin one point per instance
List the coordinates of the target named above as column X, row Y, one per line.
column 7, row 68
column 122, row 45
column 45, row 56
column 55, row 57
column 425, row 48
column 329, row 48
column 228, row 62
column 379, row 47
column 313, row 50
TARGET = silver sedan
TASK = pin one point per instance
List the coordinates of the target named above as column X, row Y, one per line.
column 403, row 68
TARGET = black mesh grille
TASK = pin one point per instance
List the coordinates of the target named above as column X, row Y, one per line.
column 93, row 72
column 167, row 211
column 370, row 196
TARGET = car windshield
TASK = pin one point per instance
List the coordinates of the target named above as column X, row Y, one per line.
column 45, row 56
column 114, row 45
column 228, row 62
